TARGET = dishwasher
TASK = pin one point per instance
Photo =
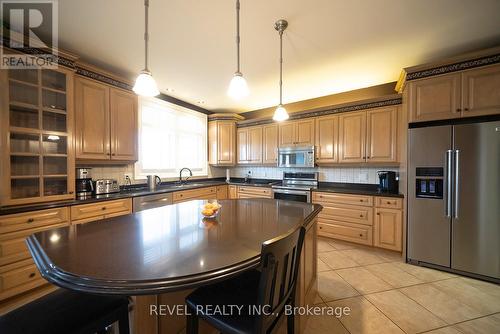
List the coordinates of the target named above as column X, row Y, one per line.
column 151, row 201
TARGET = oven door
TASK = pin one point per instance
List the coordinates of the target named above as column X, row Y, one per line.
column 292, row 195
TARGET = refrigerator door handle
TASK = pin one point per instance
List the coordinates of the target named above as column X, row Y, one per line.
column 447, row 188
column 457, row 183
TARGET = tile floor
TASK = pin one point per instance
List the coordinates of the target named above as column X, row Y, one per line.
column 386, row 295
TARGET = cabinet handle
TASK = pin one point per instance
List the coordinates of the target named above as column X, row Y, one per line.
column 458, row 109
column 466, row 109
column 103, row 208
column 378, row 213
column 361, row 216
column 388, row 202
column 367, row 157
column 32, row 275
column 113, row 154
column 361, row 200
column 360, row 235
column 71, row 193
column 31, row 220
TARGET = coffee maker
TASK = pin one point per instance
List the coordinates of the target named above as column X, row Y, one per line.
column 387, row 182
column 84, row 184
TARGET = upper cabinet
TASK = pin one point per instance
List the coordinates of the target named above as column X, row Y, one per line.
column 222, row 142
column 297, row 133
column 270, row 144
column 106, row 122
column 352, row 137
column 249, row 144
column 36, row 121
column 327, row 129
column 473, row 92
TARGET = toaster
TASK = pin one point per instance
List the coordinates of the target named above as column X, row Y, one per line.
column 106, row 186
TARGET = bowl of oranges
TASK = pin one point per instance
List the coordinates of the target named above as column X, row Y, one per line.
column 210, row 210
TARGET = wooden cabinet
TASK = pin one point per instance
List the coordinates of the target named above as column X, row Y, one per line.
column 106, row 122
column 327, row 139
column 481, row 91
column 473, row 92
column 124, row 125
column 254, row 192
column 270, row 144
column 18, row 273
column 86, row 213
column 36, row 143
column 388, row 229
column 233, row 192
column 221, row 143
column 249, row 144
column 221, row 192
column 354, row 218
column 192, row 194
column 297, row 133
column 381, row 134
column 435, row 98
column 352, row 137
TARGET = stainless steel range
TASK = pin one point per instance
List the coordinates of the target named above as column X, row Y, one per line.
column 296, row 186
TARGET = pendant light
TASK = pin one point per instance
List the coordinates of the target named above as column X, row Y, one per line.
column 280, row 113
column 145, row 84
column 238, row 87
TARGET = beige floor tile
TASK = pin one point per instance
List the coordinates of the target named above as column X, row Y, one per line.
column 363, row 280
column 443, row 305
column 405, row 312
column 389, row 256
column 444, row 330
column 486, row 325
column 364, row 318
column 337, row 260
column 340, row 244
column 318, row 299
column 393, row 275
column 424, row 274
column 489, row 288
column 322, row 266
column 470, row 295
column 324, row 246
column 324, row 324
column 363, row 256
column 332, row 287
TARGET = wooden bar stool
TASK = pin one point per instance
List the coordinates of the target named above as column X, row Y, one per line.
column 269, row 289
column 64, row 311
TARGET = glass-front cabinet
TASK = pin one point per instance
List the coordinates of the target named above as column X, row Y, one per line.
column 37, row 136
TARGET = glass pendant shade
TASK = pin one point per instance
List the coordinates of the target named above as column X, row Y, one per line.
column 280, row 114
column 145, row 85
column 238, row 87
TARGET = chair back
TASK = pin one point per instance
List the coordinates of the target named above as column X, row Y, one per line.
column 280, row 258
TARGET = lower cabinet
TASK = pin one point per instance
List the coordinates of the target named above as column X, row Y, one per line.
column 233, row 192
column 373, row 221
column 86, row 213
column 254, row 192
column 222, row 192
column 192, row 194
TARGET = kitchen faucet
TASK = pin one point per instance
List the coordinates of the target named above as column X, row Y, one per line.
column 180, row 174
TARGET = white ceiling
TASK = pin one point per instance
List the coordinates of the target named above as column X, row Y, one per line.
column 330, row 46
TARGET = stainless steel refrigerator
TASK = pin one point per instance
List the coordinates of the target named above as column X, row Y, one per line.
column 454, row 198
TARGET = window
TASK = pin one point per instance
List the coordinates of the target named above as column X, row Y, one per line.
column 170, row 138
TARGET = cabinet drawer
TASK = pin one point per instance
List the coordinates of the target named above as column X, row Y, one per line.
column 13, row 245
column 97, row 210
column 18, row 278
column 348, row 213
column 254, row 192
column 361, row 234
column 203, row 193
column 388, row 202
column 326, row 198
column 29, row 220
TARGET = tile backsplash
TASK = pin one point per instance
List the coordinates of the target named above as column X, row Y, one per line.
column 326, row 174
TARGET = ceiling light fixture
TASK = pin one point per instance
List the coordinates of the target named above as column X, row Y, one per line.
column 238, row 87
column 145, row 84
column 280, row 113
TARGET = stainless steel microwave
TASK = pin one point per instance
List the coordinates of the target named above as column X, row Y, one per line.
column 296, row 156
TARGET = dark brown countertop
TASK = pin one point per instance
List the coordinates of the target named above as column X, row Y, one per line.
column 164, row 249
column 354, row 189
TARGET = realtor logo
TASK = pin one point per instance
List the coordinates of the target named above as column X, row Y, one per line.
column 29, row 34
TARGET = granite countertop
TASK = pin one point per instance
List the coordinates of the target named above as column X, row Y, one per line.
column 354, row 189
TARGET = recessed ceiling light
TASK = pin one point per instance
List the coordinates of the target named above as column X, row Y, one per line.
column 201, row 102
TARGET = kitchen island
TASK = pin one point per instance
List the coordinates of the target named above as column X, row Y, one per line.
column 162, row 254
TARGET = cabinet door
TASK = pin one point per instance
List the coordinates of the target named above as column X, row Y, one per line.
column 304, row 132
column 242, row 145
column 381, row 133
column 481, row 91
column 388, row 229
column 326, row 139
column 123, row 108
column 92, row 120
column 352, row 137
column 287, row 134
column 270, row 144
column 225, row 142
column 255, row 145
column 435, row 98
column 233, row 192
